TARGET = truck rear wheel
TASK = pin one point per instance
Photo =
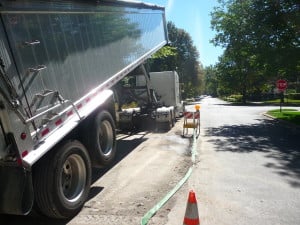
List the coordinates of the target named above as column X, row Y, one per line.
column 62, row 181
column 101, row 139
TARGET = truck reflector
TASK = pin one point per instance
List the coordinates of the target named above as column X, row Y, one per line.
column 24, row 153
column 44, row 132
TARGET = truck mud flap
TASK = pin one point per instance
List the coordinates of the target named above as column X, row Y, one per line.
column 16, row 193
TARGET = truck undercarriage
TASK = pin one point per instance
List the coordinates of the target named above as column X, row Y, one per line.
column 140, row 105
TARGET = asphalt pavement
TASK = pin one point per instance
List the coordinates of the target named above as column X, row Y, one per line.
column 247, row 170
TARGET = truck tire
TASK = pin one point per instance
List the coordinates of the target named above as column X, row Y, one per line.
column 172, row 118
column 170, row 122
column 62, row 181
column 100, row 139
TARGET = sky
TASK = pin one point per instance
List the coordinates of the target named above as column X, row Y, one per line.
column 194, row 17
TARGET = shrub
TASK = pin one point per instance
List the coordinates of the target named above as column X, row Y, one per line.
column 294, row 96
column 235, row 98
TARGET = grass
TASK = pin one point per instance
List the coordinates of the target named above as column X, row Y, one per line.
column 290, row 115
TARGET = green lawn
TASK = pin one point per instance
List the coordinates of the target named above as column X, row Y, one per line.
column 291, row 115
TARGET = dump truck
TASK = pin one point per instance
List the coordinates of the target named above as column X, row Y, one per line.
column 167, row 87
column 58, row 63
column 157, row 97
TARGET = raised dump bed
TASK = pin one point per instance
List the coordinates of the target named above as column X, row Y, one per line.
column 58, row 60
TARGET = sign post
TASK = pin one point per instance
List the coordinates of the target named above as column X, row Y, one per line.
column 281, row 86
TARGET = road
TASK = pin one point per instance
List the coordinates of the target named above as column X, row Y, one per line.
column 248, row 168
column 247, row 171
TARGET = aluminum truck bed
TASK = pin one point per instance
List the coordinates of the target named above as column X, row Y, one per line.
column 68, row 50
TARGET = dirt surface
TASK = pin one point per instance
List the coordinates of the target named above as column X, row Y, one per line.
column 139, row 181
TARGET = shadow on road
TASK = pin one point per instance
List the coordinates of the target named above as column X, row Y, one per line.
column 279, row 141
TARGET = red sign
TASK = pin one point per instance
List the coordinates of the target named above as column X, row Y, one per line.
column 281, row 85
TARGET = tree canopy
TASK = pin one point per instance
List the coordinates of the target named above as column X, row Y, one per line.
column 181, row 55
column 261, row 41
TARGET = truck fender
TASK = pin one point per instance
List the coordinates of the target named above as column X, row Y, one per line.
column 16, row 193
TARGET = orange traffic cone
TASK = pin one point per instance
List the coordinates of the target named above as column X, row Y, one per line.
column 191, row 214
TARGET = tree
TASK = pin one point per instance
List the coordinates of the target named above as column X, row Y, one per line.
column 277, row 30
column 260, row 40
column 211, row 81
column 164, row 59
column 180, row 55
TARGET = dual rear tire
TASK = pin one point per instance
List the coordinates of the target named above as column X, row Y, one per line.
column 62, row 181
column 100, row 139
column 62, row 178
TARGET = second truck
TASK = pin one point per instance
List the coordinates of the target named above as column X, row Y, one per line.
column 156, row 98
